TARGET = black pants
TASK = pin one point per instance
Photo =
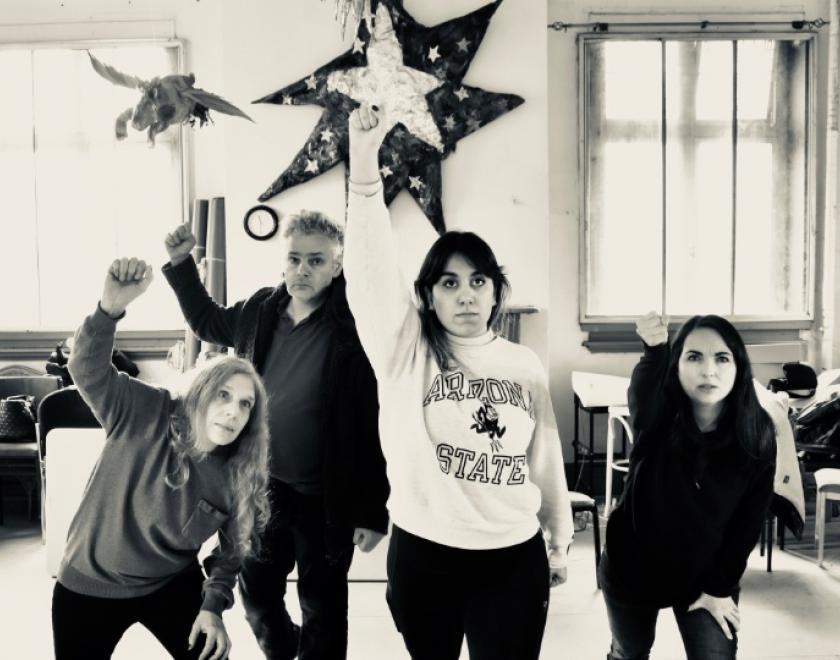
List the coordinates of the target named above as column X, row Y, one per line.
column 497, row 598
column 295, row 534
column 633, row 625
column 89, row 627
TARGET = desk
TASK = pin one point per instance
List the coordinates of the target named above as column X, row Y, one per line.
column 594, row 394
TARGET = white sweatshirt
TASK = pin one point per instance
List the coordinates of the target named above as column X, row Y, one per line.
column 473, row 454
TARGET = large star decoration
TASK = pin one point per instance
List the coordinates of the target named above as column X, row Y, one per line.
column 414, row 74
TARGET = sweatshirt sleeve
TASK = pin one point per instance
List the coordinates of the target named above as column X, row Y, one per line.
column 386, row 318
column 547, row 472
column 372, row 488
column 646, row 394
column 221, row 566
column 209, row 321
column 120, row 403
column 741, row 535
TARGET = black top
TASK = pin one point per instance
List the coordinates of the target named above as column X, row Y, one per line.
column 354, row 484
column 693, row 505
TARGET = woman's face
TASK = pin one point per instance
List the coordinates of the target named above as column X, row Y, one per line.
column 227, row 413
column 463, row 298
column 707, row 368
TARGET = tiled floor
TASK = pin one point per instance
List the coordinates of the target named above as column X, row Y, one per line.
column 792, row 613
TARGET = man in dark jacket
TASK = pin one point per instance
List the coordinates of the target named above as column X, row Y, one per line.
column 328, row 486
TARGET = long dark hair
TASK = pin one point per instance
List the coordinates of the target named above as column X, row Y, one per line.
column 742, row 414
column 475, row 250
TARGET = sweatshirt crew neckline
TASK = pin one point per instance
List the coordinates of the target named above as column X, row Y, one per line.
column 480, row 340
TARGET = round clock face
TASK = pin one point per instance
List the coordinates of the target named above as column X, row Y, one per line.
column 261, row 222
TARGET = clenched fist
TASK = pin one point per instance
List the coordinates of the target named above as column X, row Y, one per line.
column 127, row 279
column 179, row 244
column 653, row 329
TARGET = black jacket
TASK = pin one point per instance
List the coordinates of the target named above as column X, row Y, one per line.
column 693, row 505
column 355, row 487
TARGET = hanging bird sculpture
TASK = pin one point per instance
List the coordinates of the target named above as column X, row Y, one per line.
column 166, row 100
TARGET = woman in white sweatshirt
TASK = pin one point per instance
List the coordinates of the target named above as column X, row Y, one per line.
column 468, row 433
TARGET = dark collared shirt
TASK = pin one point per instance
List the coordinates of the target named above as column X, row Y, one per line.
column 294, row 377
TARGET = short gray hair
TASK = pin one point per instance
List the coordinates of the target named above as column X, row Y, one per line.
column 314, row 222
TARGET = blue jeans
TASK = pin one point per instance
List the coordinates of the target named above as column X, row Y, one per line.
column 633, row 626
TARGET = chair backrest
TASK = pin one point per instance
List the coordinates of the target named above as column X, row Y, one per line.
column 620, row 414
column 64, row 408
column 37, row 386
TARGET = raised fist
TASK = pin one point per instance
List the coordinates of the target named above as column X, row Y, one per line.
column 653, row 329
column 179, row 243
column 127, row 279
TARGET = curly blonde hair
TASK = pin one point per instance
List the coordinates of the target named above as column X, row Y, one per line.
column 247, row 465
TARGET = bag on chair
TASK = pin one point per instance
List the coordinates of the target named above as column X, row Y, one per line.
column 17, row 420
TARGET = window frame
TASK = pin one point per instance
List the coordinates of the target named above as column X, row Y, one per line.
column 617, row 333
column 35, row 344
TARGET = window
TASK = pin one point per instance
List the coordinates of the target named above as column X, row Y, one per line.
column 73, row 197
column 696, row 176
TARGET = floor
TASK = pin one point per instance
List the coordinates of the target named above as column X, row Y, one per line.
column 793, row 612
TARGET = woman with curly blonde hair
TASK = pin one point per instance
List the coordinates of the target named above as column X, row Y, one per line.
column 175, row 470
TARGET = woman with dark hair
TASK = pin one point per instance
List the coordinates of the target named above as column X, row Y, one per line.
column 698, row 488
column 174, row 471
column 468, row 433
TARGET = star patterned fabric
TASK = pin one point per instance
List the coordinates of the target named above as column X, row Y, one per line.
column 413, row 74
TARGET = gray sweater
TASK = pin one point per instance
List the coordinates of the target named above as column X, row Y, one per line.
column 132, row 533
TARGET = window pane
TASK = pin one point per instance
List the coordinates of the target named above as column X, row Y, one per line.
column 772, row 245
column 624, row 167
column 698, row 175
column 95, row 199
column 735, row 181
column 18, row 247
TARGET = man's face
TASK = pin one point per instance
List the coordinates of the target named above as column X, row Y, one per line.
column 311, row 266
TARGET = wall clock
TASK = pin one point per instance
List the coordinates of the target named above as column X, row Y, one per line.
column 261, row 222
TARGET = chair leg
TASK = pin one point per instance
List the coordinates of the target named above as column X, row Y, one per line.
column 780, row 533
column 596, row 538
column 762, row 539
column 819, row 527
column 769, row 524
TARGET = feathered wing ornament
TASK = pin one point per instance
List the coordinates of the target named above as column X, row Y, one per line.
column 166, row 100
column 360, row 9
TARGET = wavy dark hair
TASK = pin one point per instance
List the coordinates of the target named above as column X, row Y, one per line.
column 741, row 413
column 475, row 250
column 247, row 462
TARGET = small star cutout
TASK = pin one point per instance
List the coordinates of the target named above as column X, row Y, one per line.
column 462, row 93
column 385, row 171
column 415, row 182
column 312, row 81
column 449, row 122
column 358, row 45
column 311, row 165
column 327, row 135
column 287, row 100
column 434, row 55
column 463, row 44
column 473, row 124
